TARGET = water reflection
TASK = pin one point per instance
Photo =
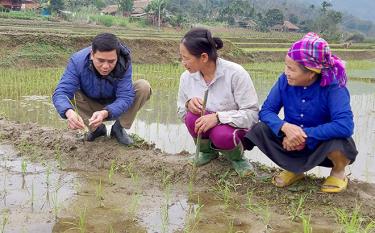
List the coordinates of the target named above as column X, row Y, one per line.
column 30, row 195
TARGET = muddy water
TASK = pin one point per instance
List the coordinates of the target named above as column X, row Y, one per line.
column 158, row 123
column 30, row 197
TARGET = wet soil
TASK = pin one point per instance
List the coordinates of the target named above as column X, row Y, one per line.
column 229, row 203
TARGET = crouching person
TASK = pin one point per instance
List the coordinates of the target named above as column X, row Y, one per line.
column 318, row 122
column 100, row 78
column 232, row 105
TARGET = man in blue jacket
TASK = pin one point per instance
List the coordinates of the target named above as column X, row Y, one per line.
column 100, row 78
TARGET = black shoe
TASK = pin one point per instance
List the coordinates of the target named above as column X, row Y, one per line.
column 120, row 134
column 100, row 131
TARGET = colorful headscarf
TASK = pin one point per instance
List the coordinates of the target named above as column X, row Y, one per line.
column 314, row 53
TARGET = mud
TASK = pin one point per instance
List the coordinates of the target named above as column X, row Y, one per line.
column 224, row 197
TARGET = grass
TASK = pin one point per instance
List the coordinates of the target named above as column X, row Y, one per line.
column 354, row 222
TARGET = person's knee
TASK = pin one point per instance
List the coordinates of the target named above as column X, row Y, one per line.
column 142, row 88
column 223, row 140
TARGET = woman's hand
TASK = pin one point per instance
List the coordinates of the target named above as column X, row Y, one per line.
column 288, row 146
column 206, row 122
column 294, row 134
column 195, row 105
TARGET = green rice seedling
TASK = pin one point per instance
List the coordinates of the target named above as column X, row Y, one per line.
column 5, row 221
column 111, row 172
column 48, row 174
column 111, row 229
column 81, row 224
column 194, row 217
column 58, row 156
column 307, row 228
column 24, row 167
column 250, row 205
column 296, row 209
column 265, row 213
column 85, row 130
column 354, row 222
column 223, row 191
column 56, row 204
column 32, row 196
column 165, row 205
column 24, row 170
column 100, row 194
column 231, row 226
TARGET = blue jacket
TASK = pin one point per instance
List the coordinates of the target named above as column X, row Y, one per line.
column 115, row 91
column 324, row 113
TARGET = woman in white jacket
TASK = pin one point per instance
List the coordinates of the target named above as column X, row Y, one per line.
column 232, row 106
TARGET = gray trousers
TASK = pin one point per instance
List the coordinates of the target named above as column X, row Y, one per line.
column 87, row 106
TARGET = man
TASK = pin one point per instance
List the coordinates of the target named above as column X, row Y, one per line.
column 100, row 79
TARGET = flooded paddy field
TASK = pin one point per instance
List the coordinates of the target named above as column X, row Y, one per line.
column 53, row 182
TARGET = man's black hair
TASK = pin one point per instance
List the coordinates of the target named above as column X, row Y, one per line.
column 106, row 42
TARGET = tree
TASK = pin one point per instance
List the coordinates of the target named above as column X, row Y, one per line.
column 325, row 6
column 273, row 17
column 157, row 6
column 126, row 6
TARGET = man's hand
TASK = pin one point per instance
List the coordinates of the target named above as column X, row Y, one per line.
column 294, row 134
column 195, row 105
column 206, row 122
column 288, row 146
column 74, row 120
column 97, row 118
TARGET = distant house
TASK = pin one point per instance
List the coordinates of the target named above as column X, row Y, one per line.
column 139, row 7
column 30, row 5
column 110, row 10
column 247, row 23
column 290, row 27
column 11, row 4
column 286, row 27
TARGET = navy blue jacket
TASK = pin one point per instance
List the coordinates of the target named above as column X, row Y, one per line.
column 324, row 113
column 115, row 91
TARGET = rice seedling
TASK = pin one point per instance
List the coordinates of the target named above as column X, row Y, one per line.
column 193, row 217
column 56, row 204
column 100, row 194
column 5, row 221
column 82, row 134
column 136, row 195
column 81, row 224
column 296, row 209
column 23, row 170
column 111, row 172
column 32, row 198
column 58, row 156
column 111, row 229
column 165, row 206
column 354, row 222
column 250, row 205
column 48, row 174
column 307, row 228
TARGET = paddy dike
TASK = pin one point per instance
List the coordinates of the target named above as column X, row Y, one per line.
column 147, row 176
column 35, row 49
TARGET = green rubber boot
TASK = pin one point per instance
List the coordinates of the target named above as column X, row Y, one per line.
column 240, row 164
column 206, row 154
